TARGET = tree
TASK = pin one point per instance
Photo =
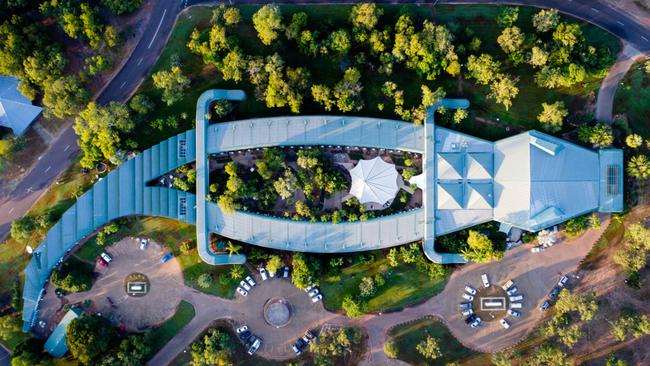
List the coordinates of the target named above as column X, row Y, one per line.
column 367, row 287
column 502, row 358
column 568, row 35
column 286, row 185
column 65, row 96
column 215, row 348
column 538, row 57
column 339, row 42
column 481, row 249
column 552, row 116
column 141, row 104
column 390, row 349
column 304, row 271
column 274, row 264
column 9, row 325
column 365, row 16
column 507, row 16
column 429, row 348
column 231, row 16
column 295, row 27
column 613, row 361
column 546, row 19
column 351, row 307
column 504, row 89
column 233, row 65
column 204, row 280
column 483, row 68
column 119, row 7
column 570, row 335
column 22, row 228
column 634, row 141
column 88, row 337
column 460, row 115
column 134, row 351
column 172, row 83
column 236, row 272
column 30, row 353
column 393, row 257
column 347, row 92
column 232, row 248
column 639, row 167
column 511, row 39
column 227, row 203
column 276, row 85
column 333, row 343
column 267, row 22
column 594, row 221
column 600, row 134
column 548, row 354
column 322, row 95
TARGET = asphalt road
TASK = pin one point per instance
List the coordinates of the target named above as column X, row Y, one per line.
column 62, row 151
column 5, row 356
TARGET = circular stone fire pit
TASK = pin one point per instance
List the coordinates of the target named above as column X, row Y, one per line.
column 277, row 312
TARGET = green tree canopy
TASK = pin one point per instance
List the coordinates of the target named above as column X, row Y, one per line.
column 65, row 96
column 483, row 68
column 119, row 7
column 89, row 337
column 267, row 22
column 215, row 348
column 552, row 116
column 546, row 19
column 429, row 348
column 172, row 83
column 481, row 249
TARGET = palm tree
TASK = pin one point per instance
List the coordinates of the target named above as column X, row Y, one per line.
column 232, row 248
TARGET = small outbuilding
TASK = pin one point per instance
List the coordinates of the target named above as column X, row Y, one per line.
column 56, row 344
column 16, row 110
column 374, row 181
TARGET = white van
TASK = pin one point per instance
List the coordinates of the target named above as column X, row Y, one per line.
column 507, row 285
column 516, row 298
column 515, row 305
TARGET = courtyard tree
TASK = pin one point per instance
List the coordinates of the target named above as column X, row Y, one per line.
column 232, row 248
column 429, row 348
column 460, row 115
column 552, row 116
column 546, row 19
column 638, row 167
column 274, row 264
column 304, row 272
column 286, row 185
column 88, row 338
column 172, row 83
column 228, row 203
column 480, row 248
column 215, row 348
column 267, row 22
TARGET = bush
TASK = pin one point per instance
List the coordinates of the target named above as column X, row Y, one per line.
column 73, row 276
column 351, row 307
column 575, row 227
column 204, row 280
column 390, row 349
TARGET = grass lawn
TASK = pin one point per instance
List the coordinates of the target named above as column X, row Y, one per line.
column 193, row 266
column 407, row 336
column 171, row 327
column 404, row 285
column 611, row 236
column 633, row 99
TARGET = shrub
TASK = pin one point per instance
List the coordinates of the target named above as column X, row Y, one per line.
column 204, row 280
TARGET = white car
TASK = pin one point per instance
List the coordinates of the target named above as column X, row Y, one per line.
column 563, row 281
column 251, row 281
column 271, row 274
column 242, row 291
column 515, row 305
column 245, row 285
column 106, row 257
column 242, row 329
column 504, row 323
column 507, row 285
column 317, row 298
column 263, row 274
column 475, row 323
column 143, row 243
column 313, row 292
column 468, row 297
column 286, row 272
column 296, row 350
column 486, row 282
column 514, row 313
column 256, row 345
column 467, row 312
column 516, row 298
column 512, row 291
column 308, row 288
column 306, row 339
column 536, row 249
column 470, row 290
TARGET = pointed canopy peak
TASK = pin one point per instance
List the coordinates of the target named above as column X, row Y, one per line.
column 479, row 196
column 479, row 165
column 450, row 165
column 450, row 196
column 374, row 180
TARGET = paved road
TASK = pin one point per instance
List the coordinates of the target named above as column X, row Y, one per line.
column 5, row 356
column 60, row 154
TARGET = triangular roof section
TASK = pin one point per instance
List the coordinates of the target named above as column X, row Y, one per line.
column 479, row 196
column 450, row 165
column 479, row 165
column 450, row 196
column 16, row 111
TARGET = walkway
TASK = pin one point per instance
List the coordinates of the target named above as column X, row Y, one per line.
column 604, row 105
column 534, row 274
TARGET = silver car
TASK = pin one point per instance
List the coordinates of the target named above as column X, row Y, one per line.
column 251, row 281
column 468, row 297
column 313, row 292
column 242, row 291
column 245, row 285
column 512, row 291
column 467, row 312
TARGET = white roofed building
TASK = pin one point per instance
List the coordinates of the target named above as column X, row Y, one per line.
column 374, row 181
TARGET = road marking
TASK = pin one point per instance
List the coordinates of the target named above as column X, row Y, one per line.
column 66, row 148
column 619, row 22
column 139, row 62
column 40, row 157
column 596, row 10
column 11, row 210
column 48, row 168
column 123, row 83
column 645, row 39
column 157, row 29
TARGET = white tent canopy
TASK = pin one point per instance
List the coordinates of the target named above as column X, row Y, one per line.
column 374, row 181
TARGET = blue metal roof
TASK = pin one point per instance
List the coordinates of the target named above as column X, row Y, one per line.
column 56, row 344
column 16, row 111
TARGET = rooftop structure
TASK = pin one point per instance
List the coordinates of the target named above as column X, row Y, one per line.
column 374, row 181
column 530, row 181
column 16, row 111
column 56, row 344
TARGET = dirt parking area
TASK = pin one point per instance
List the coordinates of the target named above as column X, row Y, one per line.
column 135, row 313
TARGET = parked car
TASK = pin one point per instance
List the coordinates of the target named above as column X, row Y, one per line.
column 553, row 294
column 296, row 350
column 504, row 323
column 470, row 319
column 309, row 288
column 545, row 305
column 470, row 290
column 251, row 281
column 310, row 335
column 286, row 272
column 143, row 243
column 241, row 329
column 465, row 305
column 476, row 322
column 563, row 281
column 507, row 285
column 486, row 282
column 244, row 335
column 107, row 257
column 250, row 341
column 254, row 346
column 313, row 292
column 306, row 339
column 514, row 313
column 516, row 298
column 515, row 305
column 467, row 312
column 263, row 273
column 300, row 343
column 102, row 262
column 468, row 297
column 245, row 285
column 242, row 291
column 512, row 291
column 536, row 249
column 167, row 257
column 317, row 298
